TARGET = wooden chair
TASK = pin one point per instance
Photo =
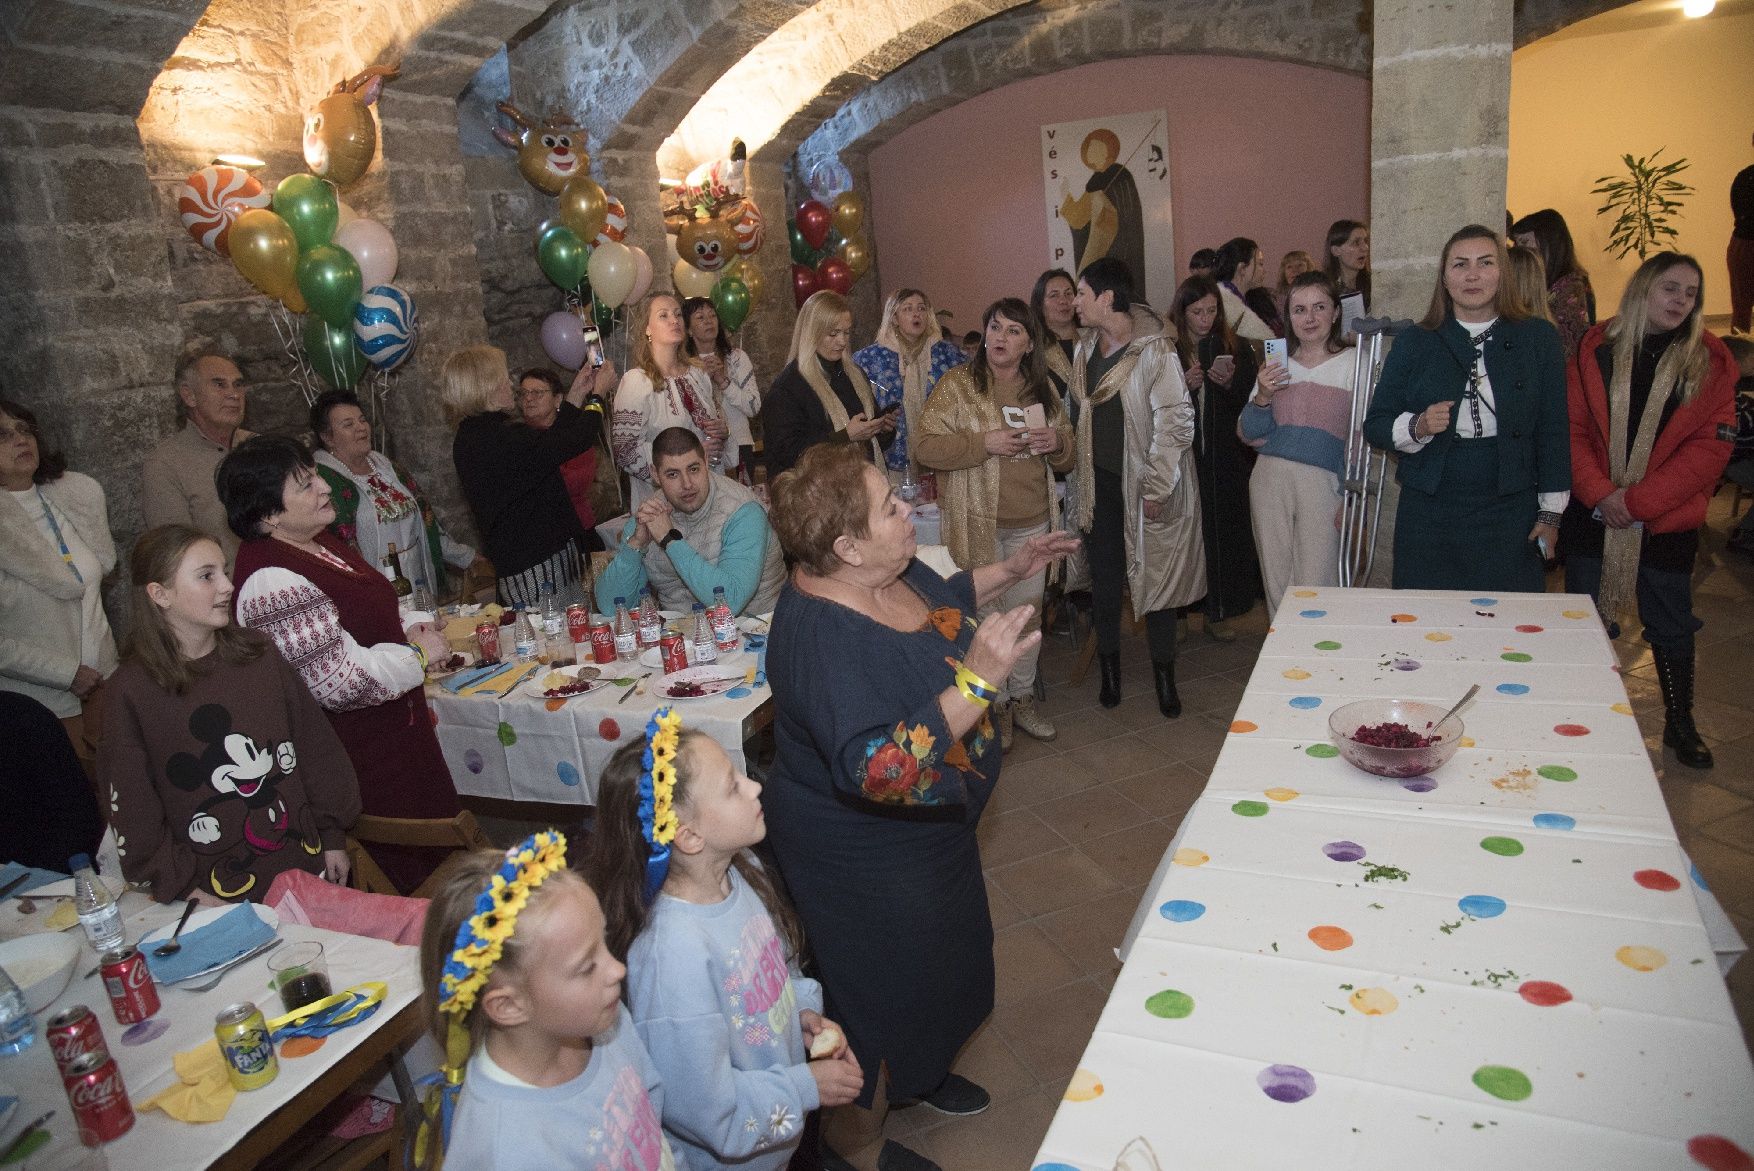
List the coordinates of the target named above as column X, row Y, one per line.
column 457, row 833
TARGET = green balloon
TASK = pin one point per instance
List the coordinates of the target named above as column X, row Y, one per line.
column 328, row 277
column 332, row 353
column 731, row 301
column 562, row 255
column 309, row 207
column 605, row 315
column 801, row 250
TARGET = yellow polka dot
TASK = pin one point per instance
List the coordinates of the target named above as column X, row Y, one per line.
column 1084, row 1087
column 1187, row 856
column 1624, row 709
column 1296, row 673
column 1374, row 1001
column 1641, row 959
column 1437, row 636
column 1283, row 794
column 1303, row 593
column 1465, row 742
column 1574, row 614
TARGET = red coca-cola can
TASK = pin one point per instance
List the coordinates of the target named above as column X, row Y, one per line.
column 133, row 995
column 73, row 1034
column 578, row 623
column 487, row 638
column 100, row 1103
column 674, row 650
column 602, row 643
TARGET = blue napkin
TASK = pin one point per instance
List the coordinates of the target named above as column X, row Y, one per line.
column 233, row 934
column 11, row 870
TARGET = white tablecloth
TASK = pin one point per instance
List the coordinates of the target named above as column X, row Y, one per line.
column 157, row 1140
column 1498, row 964
column 516, row 749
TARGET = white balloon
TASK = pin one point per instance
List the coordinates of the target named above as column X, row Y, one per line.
column 372, row 247
column 344, row 215
column 642, row 275
column 690, row 281
column 612, row 270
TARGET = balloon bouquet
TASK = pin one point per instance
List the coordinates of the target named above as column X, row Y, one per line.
column 829, row 248
column 718, row 229
column 580, row 248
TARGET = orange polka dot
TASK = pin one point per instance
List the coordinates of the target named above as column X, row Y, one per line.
column 1403, row 618
column 1241, row 726
column 300, row 1046
column 1330, row 938
column 555, row 704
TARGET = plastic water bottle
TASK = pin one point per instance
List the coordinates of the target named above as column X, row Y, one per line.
column 524, row 638
column 552, row 620
column 17, row 1031
column 704, row 649
column 651, row 623
column 626, row 636
column 724, row 622
column 98, row 912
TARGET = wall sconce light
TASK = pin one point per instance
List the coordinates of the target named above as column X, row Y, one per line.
column 1697, row 8
column 241, row 161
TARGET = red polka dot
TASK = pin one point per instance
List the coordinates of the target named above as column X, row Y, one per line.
column 1543, row 993
column 609, row 729
column 1571, row 729
column 1717, row 1153
column 1656, row 880
column 432, row 714
column 1530, row 629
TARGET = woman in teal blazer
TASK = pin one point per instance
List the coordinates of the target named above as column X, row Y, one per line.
column 1474, row 402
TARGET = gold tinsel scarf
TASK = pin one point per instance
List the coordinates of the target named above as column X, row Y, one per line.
column 1621, row 547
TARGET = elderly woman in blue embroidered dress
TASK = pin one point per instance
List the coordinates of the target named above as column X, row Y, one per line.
column 883, row 768
column 904, row 364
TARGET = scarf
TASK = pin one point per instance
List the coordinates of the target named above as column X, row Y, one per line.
column 810, row 366
column 1621, row 547
column 1118, row 376
column 916, row 366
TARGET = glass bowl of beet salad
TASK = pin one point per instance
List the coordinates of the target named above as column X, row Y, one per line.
column 1395, row 737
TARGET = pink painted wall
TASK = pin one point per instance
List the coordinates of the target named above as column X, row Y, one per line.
column 1265, row 149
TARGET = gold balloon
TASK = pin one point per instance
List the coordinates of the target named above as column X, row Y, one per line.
column 583, row 207
column 849, row 214
column 747, row 271
column 857, row 254
column 264, row 249
column 691, row 281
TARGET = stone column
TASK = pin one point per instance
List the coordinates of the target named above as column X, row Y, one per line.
column 1439, row 151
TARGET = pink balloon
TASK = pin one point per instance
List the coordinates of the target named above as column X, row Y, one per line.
column 372, row 246
column 563, row 339
column 642, row 273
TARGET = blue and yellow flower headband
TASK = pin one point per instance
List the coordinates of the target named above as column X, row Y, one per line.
column 657, row 790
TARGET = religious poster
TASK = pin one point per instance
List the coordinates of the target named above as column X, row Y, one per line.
column 1107, row 187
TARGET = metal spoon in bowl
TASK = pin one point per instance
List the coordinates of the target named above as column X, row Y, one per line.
column 1460, row 703
column 171, row 947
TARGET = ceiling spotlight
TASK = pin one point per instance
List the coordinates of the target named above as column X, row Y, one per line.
column 246, row 162
column 1696, row 8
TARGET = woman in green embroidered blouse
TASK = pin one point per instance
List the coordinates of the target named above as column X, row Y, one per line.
column 376, row 501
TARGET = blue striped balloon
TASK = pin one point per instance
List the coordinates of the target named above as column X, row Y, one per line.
column 386, row 327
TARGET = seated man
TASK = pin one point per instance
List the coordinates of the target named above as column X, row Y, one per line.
column 701, row 530
column 177, row 477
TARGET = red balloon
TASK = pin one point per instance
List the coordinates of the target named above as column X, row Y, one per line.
column 804, row 283
column 834, row 274
column 814, row 220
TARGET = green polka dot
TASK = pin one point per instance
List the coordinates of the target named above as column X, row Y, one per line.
column 1557, row 772
column 1327, row 644
column 1321, row 751
column 1250, row 809
column 1501, row 1081
column 1503, row 847
column 1516, row 657
column 507, row 737
column 1170, row 1005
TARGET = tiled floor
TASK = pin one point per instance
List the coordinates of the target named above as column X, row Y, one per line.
column 1077, row 826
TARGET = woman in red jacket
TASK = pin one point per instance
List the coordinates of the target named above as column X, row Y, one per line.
column 1652, row 419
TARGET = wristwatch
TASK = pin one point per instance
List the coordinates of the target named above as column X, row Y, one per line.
column 673, row 535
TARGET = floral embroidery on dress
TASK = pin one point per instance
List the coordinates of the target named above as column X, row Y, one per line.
column 390, row 502
column 948, row 620
column 898, row 767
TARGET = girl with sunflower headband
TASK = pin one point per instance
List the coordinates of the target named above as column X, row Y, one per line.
column 525, row 998
column 713, row 983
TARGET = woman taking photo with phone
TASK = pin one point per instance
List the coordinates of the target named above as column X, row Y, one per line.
column 822, row 395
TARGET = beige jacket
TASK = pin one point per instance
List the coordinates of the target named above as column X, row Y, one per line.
column 1166, row 557
column 968, row 478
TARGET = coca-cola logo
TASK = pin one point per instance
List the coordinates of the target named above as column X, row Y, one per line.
column 66, row 1046
column 98, row 1093
column 135, row 974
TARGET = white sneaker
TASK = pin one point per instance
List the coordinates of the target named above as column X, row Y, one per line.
column 1024, row 715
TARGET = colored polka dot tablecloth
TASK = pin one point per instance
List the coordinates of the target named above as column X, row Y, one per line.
column 527, row 748
column 1500, row 962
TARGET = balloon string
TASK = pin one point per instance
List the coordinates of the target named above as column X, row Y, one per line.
column 304, row 375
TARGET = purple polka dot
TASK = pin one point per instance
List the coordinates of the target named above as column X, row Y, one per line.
column 1418, row 784
column 1286, row 1083
column 1344, row 851
column 472, row 761
column 145, row 1031
column 1406, row 664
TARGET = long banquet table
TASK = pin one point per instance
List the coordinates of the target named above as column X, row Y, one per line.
column 1500, row 964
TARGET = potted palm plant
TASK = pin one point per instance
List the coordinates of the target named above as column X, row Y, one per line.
column 1642, row 200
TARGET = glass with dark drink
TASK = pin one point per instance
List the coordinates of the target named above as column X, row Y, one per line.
column 300, row 974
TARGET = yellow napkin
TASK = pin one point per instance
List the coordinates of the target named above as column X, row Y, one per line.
column 206, row 1092
column 499, row 685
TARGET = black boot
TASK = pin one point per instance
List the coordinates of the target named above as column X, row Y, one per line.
column 1675, row 677
column 1110, row 666
column 1168, row 702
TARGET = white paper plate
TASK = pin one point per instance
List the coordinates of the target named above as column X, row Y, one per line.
column 200, row 919
column 722, row 680
column 593, row 674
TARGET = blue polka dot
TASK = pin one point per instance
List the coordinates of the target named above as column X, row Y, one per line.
column 1312, row 614
column 1182, row 910
column 737, row 693
column 1053, row 1167
column 1555, row 821
column 1483, row 601
column 1513, row 689
column 1481, row 906
column 568, row 773
column 1306, row 702
column 1698, row 878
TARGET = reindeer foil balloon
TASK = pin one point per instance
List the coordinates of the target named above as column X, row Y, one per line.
column 713, row 220
column 548, row 154
column 340, row 134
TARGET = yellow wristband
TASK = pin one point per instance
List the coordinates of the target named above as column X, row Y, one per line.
column 973, row 688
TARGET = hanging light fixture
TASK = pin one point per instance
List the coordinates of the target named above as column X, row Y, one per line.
column 1697, row 8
